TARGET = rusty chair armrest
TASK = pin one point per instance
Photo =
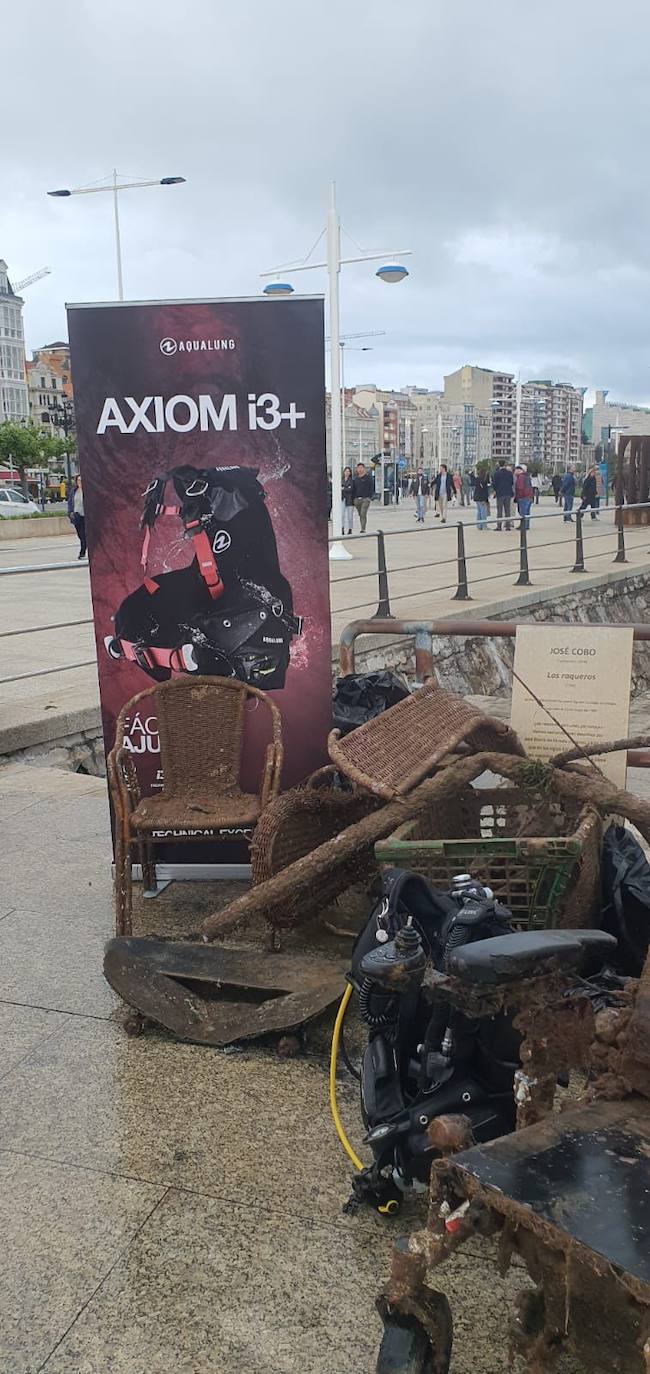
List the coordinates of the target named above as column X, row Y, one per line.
column 271, row 773
column 123, row 781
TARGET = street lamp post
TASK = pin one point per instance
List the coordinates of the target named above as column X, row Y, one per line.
column 390, row 272
column 364, row 348
column 64, row 413
column 114, row 186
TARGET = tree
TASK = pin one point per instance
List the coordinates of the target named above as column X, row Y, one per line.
column 20, row 447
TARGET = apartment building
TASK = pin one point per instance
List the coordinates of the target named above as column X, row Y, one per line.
column 14, row 397
column 492, row 394
column 551, row 424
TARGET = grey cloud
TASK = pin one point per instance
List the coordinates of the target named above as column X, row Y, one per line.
column 506, row 144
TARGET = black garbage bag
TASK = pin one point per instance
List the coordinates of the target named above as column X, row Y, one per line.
column 626, row 898
column 360, row 696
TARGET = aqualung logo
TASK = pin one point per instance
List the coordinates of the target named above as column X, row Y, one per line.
column 221, row 541
column 169, row 346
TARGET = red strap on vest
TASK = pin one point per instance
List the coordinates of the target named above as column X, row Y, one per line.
column 207, row 564
column 154, row 658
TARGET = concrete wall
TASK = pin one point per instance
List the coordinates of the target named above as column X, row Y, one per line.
column 20, row 528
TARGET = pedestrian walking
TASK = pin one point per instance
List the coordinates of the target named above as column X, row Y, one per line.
column 347, row 500
column 482, row 499
column 443, row 491
column 458, row 488
column 589, row 493
column 503, row 488
column 567, row 494
column 523, row 493
column 556, row 482
column 363, row 487
column 420, row 490
column 78, row 516
column 536, row 484
column 466, row 488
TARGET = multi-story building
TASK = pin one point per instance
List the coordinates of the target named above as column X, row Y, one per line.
column 50, row 389
column 605, row 419
column 425, row 427
column 48, row 403
column 465, row 437
column 14, row 398
column 56, row 356
column 564, row 427
column 363, row 436
column 494, row 395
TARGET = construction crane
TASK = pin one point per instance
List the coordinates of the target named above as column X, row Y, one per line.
column 19, row 286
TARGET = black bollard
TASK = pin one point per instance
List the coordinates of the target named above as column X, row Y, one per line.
column 462, row 594
column 524, row 579
column 579, row 565
column 620, row 552
column 383, row 611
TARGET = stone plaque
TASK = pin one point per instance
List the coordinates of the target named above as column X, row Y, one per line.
column 581, row 675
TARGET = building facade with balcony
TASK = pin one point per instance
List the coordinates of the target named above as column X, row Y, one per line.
column 14, row 396
column 493, row 394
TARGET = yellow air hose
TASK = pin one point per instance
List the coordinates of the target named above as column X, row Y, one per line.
column 334, row 1054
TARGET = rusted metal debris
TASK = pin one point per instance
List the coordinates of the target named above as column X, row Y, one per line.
column 218, row 996
column 568, row 1193
column 339, row 860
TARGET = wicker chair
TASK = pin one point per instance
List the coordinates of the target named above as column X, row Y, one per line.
column 392, row 753
column 201, row 724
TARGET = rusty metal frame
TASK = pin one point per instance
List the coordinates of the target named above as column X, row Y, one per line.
column 424, row 631
column 580, row 1297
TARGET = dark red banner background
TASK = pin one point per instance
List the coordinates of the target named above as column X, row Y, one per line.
column 278, row 348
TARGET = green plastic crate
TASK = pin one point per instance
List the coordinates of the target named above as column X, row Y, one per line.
column 497, row 835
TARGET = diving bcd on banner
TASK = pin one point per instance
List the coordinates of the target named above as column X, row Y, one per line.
column 230, row 611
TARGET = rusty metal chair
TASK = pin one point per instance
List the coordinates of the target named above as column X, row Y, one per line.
column 201, row 727
column 393, row 752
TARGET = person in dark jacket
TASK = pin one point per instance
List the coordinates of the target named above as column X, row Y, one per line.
column 589, row 493
column 363, row 488
column 503, row 488
column 443, row 491
column 568, row 493
column 347, row 500
column 420, row 489
column 482, row 498
column 556, row 482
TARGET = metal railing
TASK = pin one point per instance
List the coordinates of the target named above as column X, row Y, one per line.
column 423, row 633
column 460, row 559
column 460, row 586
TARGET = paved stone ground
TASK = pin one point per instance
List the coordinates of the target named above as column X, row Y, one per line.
column 166, row 1206
column 422, row 567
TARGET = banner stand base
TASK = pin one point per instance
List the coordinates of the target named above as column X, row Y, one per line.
column 161, row 885
column 192, row 873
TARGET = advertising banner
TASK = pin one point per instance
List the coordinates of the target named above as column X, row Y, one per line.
column 201, row 435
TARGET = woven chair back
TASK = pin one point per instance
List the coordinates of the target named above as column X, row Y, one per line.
column 201, row 729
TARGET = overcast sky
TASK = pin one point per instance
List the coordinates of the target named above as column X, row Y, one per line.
column 505, row 143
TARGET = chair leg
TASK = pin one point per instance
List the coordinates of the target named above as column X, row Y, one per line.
column 148, row 864
column 123, row 887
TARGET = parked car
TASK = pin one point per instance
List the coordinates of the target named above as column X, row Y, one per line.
column 14, row 503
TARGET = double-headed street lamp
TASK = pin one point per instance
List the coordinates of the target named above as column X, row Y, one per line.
column 389, row 272
column 114, row 186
